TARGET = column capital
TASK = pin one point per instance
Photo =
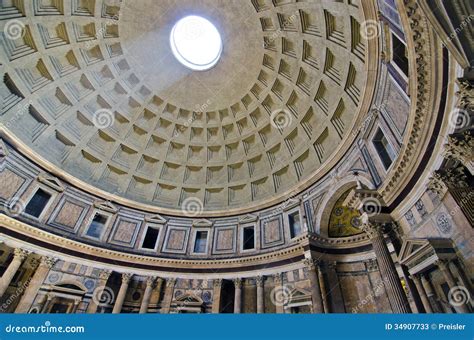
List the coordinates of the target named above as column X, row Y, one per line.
column 170, row 282
column 126, row 277
column 20, row 254
column 278, row 278
column 150, row 281
column 105, row 274
column 47, row 261
column 372, row 265
column 459, row 147
column 310, row 264
column 372, row 230
column 260, row 280
column 237, row 282
column 217, row 283
column 436, row 185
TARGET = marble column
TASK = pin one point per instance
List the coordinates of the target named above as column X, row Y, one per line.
column 238, row 296
column 322, row 285
column 260, row 295
column 168, row 298
column 150, row 282
column 75, row 306
column 216, row 296
column 158, row 288
column 313, row 274
column 396, row 294
column 453, row 286
column 421, row 291
column 98, row 291
column 126, row 277
column 413, row 296
column 19, row 255
column 430, row 293
column 278, row 290
column 47, row 303
column 26, row 301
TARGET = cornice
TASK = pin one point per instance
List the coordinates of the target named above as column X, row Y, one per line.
column 32, row 233
column 425, row 58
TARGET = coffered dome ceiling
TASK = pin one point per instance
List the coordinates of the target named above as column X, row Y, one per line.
column 105, row 100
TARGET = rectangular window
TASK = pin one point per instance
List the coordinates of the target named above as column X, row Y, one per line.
column 97, row 226
column 37, row 203
column 151, row 237
column 384, row 149
column 400, row 54
column 295, row 224
column 249, row 238
column 200, row 244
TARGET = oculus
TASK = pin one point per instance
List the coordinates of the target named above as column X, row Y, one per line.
column 196, row 43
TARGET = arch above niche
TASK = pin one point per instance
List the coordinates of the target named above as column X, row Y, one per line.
column 343, row 221
column 340, row 187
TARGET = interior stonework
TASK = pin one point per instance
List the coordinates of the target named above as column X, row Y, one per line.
column 323, row 165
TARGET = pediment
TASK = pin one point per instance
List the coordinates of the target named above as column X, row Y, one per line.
column 106, row 206
column 51, row 182
column 202, row 223
column 249, row 218
column 290, row 204
column 411, row 247
column 158, row 219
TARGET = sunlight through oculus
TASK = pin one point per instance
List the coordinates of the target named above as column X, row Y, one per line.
column 196, row 43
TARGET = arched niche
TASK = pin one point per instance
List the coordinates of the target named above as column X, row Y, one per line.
column 335, row 196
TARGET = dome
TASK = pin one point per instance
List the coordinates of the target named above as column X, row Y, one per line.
column 238, row 132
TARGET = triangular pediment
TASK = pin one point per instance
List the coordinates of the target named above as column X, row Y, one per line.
column 106, row 206
column 412, row 246
column 291, row 203
column 51, row 182
column 158, row 219
column 249, row 218
column 202, row 223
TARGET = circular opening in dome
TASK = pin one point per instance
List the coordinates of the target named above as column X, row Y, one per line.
column 196, row 43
